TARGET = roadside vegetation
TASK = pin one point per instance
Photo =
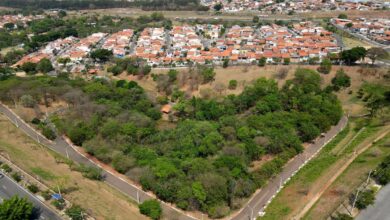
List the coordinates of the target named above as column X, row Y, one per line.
column 57, row 173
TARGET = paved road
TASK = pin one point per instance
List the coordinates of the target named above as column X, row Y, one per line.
column 380, row 210
column 261, row 199
column 62, row 147
column 8, row 188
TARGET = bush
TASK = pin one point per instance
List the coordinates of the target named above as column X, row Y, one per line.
column 75, row 212
column 262, row 61
column 325, row 66
column 49, row 133
column 35, row 121
column 232, row 84
column 33, row 188
column 16, row 176
column 27, row 101
column 46, row 194
column 90, row 172
column 151, row 208
column 6, row 168
column 59, row 204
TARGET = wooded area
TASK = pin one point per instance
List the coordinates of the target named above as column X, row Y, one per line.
column 203, row 162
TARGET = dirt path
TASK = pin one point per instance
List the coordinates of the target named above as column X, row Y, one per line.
column 383, row 132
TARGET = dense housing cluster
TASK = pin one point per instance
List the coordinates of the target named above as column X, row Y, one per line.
column 375, row 29
column 14, row 21
column 203, row 44
column 277, row 6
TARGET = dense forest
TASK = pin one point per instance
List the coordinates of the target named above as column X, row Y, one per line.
column 202, row 162
column 97, row 4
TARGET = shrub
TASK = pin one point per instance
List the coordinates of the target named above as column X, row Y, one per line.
column 6, row 168
column 232, row 84
column 33, row 188
column 35, row 121
column 59, row 204
column 75, row 212
column 49, row 133
column 46, row 194
column 90, row 172
column 16, row 176
column 151, row 208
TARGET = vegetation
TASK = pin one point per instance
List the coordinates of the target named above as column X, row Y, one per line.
column 15, row 208
column 207, row 168
column 325, row 66
column 382, row 173
column 93, row 4
column 350, row 57
column 33, row 188
column 365, row 198
column 75, row 212
column 151, row 208
column 341, row 80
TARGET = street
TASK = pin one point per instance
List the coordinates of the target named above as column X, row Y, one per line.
column 8, row 188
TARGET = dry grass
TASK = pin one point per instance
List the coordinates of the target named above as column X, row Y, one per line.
column 245, row 75
column 351, row 42
column 100, row 200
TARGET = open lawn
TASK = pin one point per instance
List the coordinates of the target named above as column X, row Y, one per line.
column 349, row 180
column 311, row 179
column 99, row 199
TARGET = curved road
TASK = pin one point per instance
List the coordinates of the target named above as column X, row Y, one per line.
column 254, row 207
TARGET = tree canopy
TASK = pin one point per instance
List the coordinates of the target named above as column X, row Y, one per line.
column 16, row 208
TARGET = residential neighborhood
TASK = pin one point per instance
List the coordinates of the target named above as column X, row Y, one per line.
column 296, row 6
column 377, row 30
column 203, row 44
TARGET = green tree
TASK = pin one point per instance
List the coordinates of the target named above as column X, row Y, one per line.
column 199, row 192
column 343, row 16
column 233, row 84
column 29, row 68
column 151, row 208
column 341, row 80
column 262, row 61
column 207, row 73
column 15, row 208
column 325, row 66
column 225, row 63
column 102, row 55
column 256, row 19
column 286, row 61
column 44, row 66
column 351, row 56
column 218, row 6
column 365, row 199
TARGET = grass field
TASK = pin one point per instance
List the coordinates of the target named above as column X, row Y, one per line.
column 313, row 177
column 352, row 42
column 349, row 180
column 99, row 199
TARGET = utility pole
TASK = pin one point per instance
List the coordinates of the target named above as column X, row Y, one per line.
column 38, row 139
column 138, row 196
column 368, row 178
column 66, row 150
column 354, row 201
